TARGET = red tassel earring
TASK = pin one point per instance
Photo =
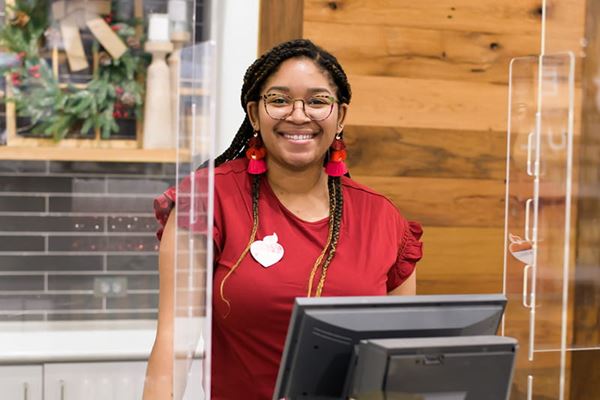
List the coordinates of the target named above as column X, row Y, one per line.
column 256, row 154
column 336, row 165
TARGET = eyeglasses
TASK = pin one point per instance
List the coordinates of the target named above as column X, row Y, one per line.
column 281, row 106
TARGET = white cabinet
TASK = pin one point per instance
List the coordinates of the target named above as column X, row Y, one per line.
column 193, row 388
column 119, row 380
column 94, row 381
column 21, row 382
column 107, row 381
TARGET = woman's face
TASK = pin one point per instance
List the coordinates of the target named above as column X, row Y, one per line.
column 297, row 142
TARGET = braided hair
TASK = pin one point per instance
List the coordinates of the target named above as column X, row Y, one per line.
column 254, row 80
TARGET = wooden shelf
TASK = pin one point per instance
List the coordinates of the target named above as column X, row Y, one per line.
column 87, row 154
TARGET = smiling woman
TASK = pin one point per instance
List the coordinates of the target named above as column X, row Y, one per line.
column 284, row 195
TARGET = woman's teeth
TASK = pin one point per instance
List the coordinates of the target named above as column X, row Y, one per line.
column 298, row 137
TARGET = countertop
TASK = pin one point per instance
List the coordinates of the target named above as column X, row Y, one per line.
column 82, row 341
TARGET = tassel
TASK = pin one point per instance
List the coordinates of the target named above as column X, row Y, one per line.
column 336, row 165
column 338, row 155
column 336, row 168
column 256, row 153
column 257, row 167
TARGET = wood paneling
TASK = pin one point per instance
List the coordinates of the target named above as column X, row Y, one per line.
column 461, row 260
column 379, row 50
column 565, row 26
column 444, row 202
column 588, row 207
column 585, row 374
column 279, row 21
column 428, row 118
column 427, row 128
column 427, row 103
column 500, row 16
column 416, row 152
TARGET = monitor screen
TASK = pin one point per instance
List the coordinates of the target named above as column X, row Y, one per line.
column 324, row 331
column 449, row 368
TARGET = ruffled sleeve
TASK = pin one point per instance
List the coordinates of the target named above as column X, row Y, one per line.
column 191, row 199
column 163, row 205
column 409, row 253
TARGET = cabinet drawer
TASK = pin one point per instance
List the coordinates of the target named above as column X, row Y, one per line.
column 94, row 381
column 21, row 382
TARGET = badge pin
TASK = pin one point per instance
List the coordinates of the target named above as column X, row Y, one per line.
column 267, row 251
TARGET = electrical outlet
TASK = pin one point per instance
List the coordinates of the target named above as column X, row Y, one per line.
column 110, row 286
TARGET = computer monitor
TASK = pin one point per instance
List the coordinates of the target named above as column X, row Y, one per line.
column 324, row 331
column 448, row 368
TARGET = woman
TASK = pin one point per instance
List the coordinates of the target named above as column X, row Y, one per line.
column 284, row 225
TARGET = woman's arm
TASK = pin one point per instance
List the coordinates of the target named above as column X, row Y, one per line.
column 159, row 374
column 407, row 288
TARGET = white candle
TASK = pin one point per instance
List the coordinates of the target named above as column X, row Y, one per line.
column 178, row 15
column 158, row 28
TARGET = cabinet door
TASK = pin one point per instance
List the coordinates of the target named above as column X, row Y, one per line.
column 94, row 381
column 21, row 382
column 193, row 388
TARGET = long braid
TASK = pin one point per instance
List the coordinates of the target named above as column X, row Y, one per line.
column 254, row 80
column 255, row 193
column 332, row 202
column 237, row 146
column 336, row 217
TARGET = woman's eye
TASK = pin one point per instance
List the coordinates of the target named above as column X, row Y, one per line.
column 318, row 101
column 280, row 101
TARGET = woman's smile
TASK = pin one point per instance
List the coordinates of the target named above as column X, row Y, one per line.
column 298, row 137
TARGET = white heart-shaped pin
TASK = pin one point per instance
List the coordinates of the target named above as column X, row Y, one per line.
column 267, row 251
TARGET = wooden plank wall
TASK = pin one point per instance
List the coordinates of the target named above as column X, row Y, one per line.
column 428, row 120
column 279, row 21
column 427, row 124
column 585, row 372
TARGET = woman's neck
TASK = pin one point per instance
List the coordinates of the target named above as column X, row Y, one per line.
column 304, row 193
column 301, row 182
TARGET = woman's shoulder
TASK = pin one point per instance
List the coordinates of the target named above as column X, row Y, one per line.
column 224, row 174
column 233, row 167
column 377, row 207
column 364, row 194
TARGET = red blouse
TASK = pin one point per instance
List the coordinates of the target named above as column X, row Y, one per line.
column 377, row 251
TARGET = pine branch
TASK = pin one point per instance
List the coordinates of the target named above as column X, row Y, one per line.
column 56, row 111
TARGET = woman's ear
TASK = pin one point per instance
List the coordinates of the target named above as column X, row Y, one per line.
column 252, row 111
column 341, row 117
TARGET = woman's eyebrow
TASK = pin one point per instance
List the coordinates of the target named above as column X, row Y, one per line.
column 280, row 88
column 318, row 89
column 309, row 90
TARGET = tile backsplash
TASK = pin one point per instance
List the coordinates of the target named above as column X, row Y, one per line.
column 65, row 225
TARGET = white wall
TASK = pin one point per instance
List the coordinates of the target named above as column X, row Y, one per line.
column 237, row 46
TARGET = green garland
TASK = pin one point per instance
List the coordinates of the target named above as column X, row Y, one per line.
column 56, row 111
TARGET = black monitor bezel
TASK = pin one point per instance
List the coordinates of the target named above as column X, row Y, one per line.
column 302, row 305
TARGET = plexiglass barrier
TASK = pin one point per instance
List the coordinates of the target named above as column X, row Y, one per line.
column 551, row 261
column 538, row 220
column 100, row 85
column 193, row 262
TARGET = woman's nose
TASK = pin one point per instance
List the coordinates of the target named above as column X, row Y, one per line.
column 298, row 113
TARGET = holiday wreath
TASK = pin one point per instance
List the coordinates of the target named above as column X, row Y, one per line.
column 56, row 109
